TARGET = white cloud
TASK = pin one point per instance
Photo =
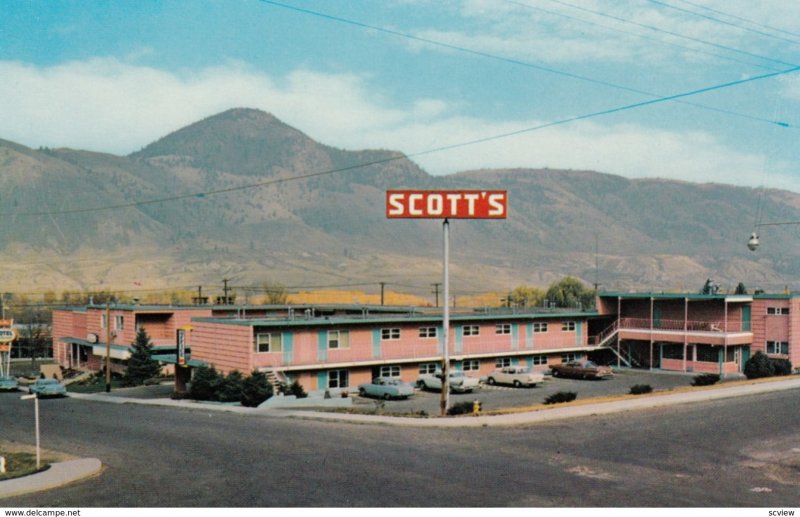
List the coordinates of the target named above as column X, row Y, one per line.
column 111, row 106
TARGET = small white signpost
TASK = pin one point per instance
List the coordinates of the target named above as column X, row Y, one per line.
column 35, row 398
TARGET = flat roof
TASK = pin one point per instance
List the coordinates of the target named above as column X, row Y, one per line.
column 408, row 318
column 679, row 296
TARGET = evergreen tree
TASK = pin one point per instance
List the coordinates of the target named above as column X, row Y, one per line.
column 230, row 389
column 206, row 382
column 255, row 389
column 141, row 365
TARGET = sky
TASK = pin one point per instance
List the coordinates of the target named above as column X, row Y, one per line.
column 456, row 85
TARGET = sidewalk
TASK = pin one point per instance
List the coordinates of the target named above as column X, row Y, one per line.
column 543, row 414
column 59, row 474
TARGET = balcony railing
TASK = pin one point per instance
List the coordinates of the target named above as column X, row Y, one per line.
column 679, row 325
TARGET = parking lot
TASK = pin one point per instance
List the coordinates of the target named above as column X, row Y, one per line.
column 501, row 397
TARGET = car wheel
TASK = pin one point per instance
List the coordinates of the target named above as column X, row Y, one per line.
column 491, row 381
column 517, row 384
column 386, row 396
column 362, row 392
column 555, row 373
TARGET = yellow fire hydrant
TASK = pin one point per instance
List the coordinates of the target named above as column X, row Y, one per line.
column 476, row 408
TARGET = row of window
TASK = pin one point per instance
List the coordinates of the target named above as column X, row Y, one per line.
column 777, row 347
column 782, row 311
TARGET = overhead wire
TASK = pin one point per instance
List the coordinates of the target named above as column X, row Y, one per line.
column 695, row 50
column 396, row 157
column 740, row 18
column 671, row 33
column 517, row 62
column 723, row 22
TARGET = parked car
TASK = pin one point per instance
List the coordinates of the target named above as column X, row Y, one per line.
column 517, row 376
column 48, row 388
column 386, row 388
column 581, row 370
column 8, row 383
column 459, row 383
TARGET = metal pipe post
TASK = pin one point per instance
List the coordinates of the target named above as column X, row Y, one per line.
column 445, row 400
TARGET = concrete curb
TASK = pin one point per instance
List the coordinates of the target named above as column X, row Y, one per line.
column 512, row 419
column 59, row 474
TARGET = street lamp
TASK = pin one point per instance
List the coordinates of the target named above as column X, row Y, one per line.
column 753, row 243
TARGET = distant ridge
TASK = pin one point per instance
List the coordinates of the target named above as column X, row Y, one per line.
column 331, row 229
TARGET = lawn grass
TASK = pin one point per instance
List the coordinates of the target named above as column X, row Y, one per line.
column 20, row 464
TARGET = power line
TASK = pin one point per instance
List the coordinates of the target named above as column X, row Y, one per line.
column 735, row 17
column 449, row 147
column 518, row 62
column 675, row 34
column 638, row 35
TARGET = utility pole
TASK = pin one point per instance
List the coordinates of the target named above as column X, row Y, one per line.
column 383, row 284
column 436, row 292
column 108, row 347
column 225, row 290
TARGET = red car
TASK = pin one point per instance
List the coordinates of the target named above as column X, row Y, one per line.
column 581, row 370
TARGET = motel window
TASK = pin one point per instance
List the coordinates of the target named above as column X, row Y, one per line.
column 708, row 354
column 565, row 358
column 780, row 311
column 472, row 365
column 502, row 362
column 427, row 332
column 390, row 371
column 338, row 379
column 119, row 322
column 502, row 328
column 568, row 326
column 539, row 359
column 672, row 351
column 268, row 343
column 428, row 368
column 338, row 339
column 390, row 333
column 103, row 321
column 540, row 327
column 777, row 347
column 471, row 330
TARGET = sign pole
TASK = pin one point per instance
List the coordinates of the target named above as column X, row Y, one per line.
column 445, row 400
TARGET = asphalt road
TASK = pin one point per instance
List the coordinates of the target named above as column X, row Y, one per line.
column 735, row 452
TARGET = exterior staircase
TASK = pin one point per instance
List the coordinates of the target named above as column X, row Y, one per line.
column 276, row 379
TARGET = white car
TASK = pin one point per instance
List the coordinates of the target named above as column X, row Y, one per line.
column 459, row 383
column 517, row 376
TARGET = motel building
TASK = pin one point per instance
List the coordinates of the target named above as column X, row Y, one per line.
column 325, row 347
column 341, row 346
column 704, row 333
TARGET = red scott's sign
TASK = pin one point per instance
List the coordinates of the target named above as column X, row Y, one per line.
column 441, row 204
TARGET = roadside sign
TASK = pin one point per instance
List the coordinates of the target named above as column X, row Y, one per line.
column 7, row 335
column 446, row 204
column 181, row 339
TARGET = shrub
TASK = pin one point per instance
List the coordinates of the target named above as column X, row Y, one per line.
column 297, row 390
column 705, row 379
column 255, row 389
column 460, row 408
column 759, row 366
column 561, row 396
column 206, row 382
column 781, row 366
column 640, row 389
column 230, row 387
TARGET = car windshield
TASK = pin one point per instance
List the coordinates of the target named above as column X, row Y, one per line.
column 523, row 370
column 47, row 381
column 589, row 364
column 456, row 374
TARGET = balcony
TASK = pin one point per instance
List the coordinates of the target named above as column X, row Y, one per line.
column 679, row 331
